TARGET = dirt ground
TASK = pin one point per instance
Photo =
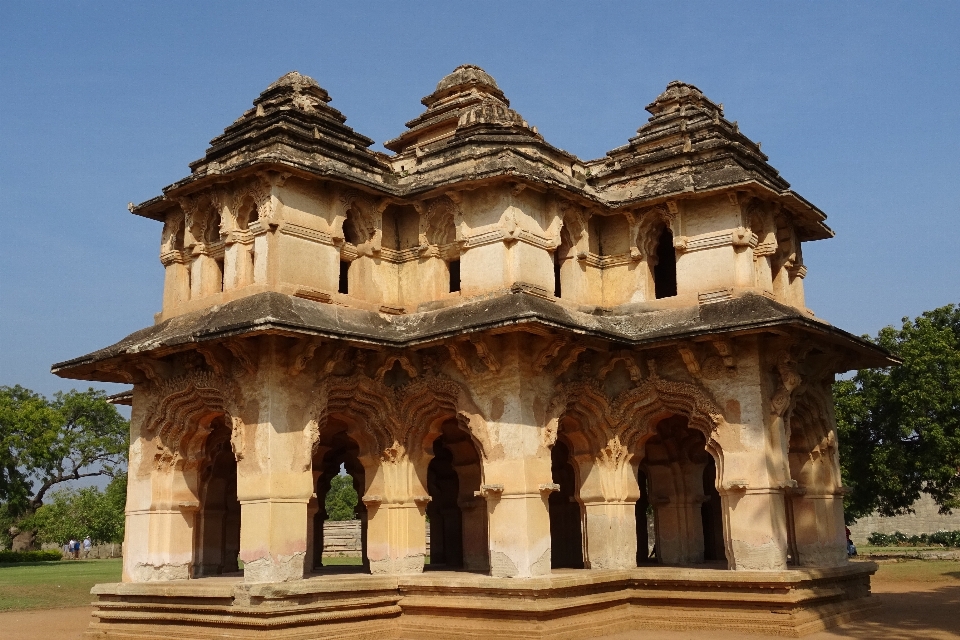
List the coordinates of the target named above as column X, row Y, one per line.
column 908, row 610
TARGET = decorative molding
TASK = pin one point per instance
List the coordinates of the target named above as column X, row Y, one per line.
column 709, row 297
column 550, row 352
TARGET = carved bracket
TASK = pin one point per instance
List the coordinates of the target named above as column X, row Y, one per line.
column 489, row 491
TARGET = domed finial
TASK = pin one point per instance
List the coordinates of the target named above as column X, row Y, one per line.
column 294, row 79
column 678, row 93
column 463, row 79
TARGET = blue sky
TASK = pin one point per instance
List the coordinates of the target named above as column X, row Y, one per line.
column 105, row 103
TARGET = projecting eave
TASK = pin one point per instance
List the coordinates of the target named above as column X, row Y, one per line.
column 637, row 325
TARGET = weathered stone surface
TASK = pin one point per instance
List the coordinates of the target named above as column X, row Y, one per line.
column 572, row 369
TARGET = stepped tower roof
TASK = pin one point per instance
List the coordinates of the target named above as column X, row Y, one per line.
column 466, row 103
column 290, row 121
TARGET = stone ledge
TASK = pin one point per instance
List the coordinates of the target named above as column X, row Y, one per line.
column 567, row 604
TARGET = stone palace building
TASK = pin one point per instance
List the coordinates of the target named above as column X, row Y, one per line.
column 596, row 382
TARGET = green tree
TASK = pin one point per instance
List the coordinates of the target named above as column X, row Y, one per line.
column 899, row 428
column 44, row 443
column 341, row 499
column 77, row 513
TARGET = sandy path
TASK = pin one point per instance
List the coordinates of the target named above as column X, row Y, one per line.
column 908, row 610
column 45, row 624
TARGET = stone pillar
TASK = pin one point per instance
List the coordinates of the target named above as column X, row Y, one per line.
column 176, row 281
column 314, row 535
column 819, row 529
column 518, row 516
column 677, row 496
column 611, row 535
column 273, row 540
column 755, row 529
column 205, row 275
column 237, row 265
column 396, row 537
column 609, row 494
column 275, row 482
column 161, row 514
column 396, row 505
column 755, row 466
column 210, row 536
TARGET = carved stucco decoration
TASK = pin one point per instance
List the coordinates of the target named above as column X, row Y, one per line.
column 613, row 426
column 394, row 422
column 181, row 414
column 789, row 381
column 442, row 222
column 650, row 224
column 359, row 210
column 574, row 219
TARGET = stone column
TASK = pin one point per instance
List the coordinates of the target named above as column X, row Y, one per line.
column 678, row 497
column 519, row 518
column 176, row 281
column 755, row 466
column 314, row 535
column 396, row 505
column 609, row 494
column 819, row 529
column 209, row 538
column 275, row 480
column 159, row 537
column 755, row 530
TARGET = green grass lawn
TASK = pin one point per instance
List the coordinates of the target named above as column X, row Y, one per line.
column 919, row 571
column 898, row 549
column 49, row 585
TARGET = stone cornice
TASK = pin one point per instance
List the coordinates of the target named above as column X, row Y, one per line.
column 634, row 325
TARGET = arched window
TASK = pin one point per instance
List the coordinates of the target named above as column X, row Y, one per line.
column 665, row 271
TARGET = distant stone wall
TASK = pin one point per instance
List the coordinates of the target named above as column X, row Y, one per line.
column 341, row 539
column 110, row 550
column 926, row 519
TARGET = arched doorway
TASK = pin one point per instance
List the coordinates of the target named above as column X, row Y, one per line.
column 681, row 479
column 217, row 529
column 566, row 532
column 337, row 461
column 457, row 517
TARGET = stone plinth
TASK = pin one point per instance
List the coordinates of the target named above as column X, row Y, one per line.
column 565, row 605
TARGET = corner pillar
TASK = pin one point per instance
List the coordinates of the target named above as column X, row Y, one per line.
column 275, row 484
column 755, row 531
column 519, row 517
column 819, row 530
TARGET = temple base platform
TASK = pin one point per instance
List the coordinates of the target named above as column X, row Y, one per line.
column 568, row 605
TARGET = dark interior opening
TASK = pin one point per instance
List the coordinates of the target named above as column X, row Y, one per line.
column 454, row 275
column 566, row 537
column 343, row 286
column 557, row 262
column 665, row 271
column 643, row 528
column 446, row 520
column 217, row 528
column 711, row 514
